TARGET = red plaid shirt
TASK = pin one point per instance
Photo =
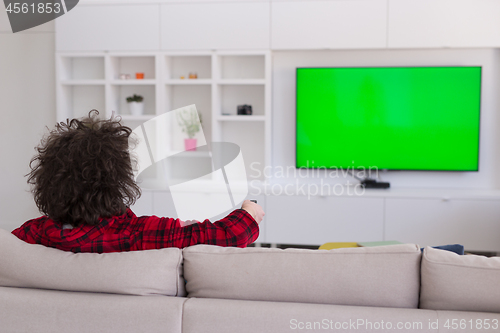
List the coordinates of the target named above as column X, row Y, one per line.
column 131, row 233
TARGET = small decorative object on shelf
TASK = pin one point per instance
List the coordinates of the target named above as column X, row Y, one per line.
column 182, row 77
column 139, row 76
column 245, row 110
column 190, row 122
column 193, row 75
column 124, row 76
column 136, row 104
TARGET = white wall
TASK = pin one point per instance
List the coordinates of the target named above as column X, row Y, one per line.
column 27, row 97
column 285, row 63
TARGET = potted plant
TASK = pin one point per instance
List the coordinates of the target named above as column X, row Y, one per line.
column 190, row 122
column 136, row 104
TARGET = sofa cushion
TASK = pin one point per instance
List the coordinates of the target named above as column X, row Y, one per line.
column 135, row 273
column 206, row 315
column 454, row 282
column 53, row 311
column 387, row 276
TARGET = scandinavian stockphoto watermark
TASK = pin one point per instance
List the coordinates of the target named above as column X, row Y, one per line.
column 26, row 14
column 310, row 180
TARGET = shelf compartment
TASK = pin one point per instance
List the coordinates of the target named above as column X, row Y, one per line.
column 78, row 100
column 177, row 66
column 251, row 139
column 81, row 68
column 119, row 94
column 234, row 95
column 242, row 66
column 131, row 65
column 177, row 96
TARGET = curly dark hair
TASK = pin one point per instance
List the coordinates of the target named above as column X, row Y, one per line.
column 83, row 171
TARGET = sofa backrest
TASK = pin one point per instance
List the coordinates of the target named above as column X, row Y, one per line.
column 464, row 283
column 152, row 272
column 386, row 276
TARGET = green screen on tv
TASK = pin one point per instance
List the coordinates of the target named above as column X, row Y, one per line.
column 394, row 118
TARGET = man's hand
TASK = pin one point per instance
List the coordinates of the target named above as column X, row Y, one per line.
column 253, row 209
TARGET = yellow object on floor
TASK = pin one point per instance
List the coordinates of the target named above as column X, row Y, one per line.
column 337, row 245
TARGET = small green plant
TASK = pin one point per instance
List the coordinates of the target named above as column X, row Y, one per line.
column 135, row 98
column 189, row 122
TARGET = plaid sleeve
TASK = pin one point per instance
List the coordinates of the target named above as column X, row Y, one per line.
column 238, row 229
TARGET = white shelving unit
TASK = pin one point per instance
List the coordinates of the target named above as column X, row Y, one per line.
column 87, row 81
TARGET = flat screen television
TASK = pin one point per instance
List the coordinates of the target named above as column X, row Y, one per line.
column 394, row 118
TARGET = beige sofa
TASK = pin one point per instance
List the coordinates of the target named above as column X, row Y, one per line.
column 382, row 289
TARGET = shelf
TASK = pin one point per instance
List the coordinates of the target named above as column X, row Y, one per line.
column 118, row 98
column 242, row 66
column 122, row 64
column 241, row 81
column 81, row 68
column 241, row 118
column 82, row 82
column 188, row 81
column 80, row 99
column 232, row 95
column 225, row 80
column 181, row 65
column 133, row 82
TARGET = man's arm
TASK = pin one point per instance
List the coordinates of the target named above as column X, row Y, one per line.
column 240, row 228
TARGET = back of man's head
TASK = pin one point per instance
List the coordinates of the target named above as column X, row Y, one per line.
column 83, row 171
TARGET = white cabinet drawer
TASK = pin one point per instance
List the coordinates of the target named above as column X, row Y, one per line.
column 314, row 221
column 429, row 222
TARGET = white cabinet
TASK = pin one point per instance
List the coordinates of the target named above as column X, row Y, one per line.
column 215, row 26
column 472, row 223
column 329, row 24
column 472, row 23
column 443, row 23
column 317, row 220
column 416, row 23
column 111, row 27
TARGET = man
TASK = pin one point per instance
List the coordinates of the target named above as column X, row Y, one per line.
column 82, row 181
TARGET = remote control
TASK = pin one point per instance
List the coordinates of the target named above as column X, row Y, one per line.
column 254, row 201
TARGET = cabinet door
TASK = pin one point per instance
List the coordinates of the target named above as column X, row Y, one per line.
column 318, row 220
column 472, row 23
column 329, row 24
column 444, row 23
column 430, row 222
column 215, row 26
column 416, row 23
column 112, row 27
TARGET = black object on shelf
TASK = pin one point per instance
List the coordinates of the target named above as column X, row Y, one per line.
column 244, row 110
column 373, row 183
